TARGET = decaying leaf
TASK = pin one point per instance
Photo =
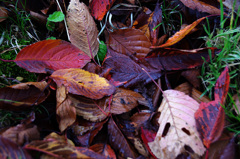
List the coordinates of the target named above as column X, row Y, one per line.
column 51, row 55
column 82, row 28
column 21, row 96
column 100, row 7
column 22, row 133
column 201, row 6
column 81, row 82
column 131, row 42
column 56, row 146
column 3, row 13
column 118, row 141
column 10, row 149
column 104, row 149
column 177, row 132
column 66, row 113
column 180, row 34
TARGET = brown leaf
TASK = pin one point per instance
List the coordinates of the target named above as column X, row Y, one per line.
column 131, row 42
column 124, row 100
column 201, row 6
column 56, row 146
column 22, row 133
column 118, row 141
column 80, row 82
column 82, row 28
column 192, row 92
column 180, row 34
column 48, row 55
column 22, row 96
column 66, row 113
column 3, row 13
column 193, row 77
column 140, row 118
column 177, row 127
column 104, row 149
column 10, row 149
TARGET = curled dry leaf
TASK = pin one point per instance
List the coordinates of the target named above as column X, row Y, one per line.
column 131, row 42
column 201, row 6
column 22, row 133
column 56, row 146
column 10, row 149
column 177, row 129
column 100, row 7
column 82, row 28
column 81, row 82
column 66, row 113
column 50, row 55
column 21, row 96
column 180, row 34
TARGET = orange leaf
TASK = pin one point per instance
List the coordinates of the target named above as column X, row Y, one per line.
column 80, row 82
column 180, row 34
column 51, row 55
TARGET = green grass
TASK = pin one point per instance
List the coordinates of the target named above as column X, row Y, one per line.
column 226, row 38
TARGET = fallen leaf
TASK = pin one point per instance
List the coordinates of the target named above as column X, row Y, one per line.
column 148, row 136
column 180, row 34
column 82, row 28
column 124, row 69
column 192, row 76
column 48, row 55
column 100, row 7
column 103, row 149
column 56, row 146
column 66, row 113
column 170, row 59
column 177, row 132
column 22, row 133
column 201, row 6
column 222, row 86
column 81, row 82
column 131, row 42
column 10, row 149
column 22, row 96
column 3, row 13
column 118, row 141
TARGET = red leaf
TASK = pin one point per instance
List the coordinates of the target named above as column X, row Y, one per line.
column 100, row 7
column 210, row 119
column 148, row 136
column 48, row 55
column 221, row 87
column 175, row 59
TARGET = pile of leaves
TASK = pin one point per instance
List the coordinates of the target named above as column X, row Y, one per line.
column 113, row 105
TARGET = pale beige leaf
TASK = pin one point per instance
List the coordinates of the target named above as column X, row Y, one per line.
column 177, row 113
column 82, row 28
column 66, row 113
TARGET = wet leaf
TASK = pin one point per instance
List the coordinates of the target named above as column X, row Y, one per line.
column 66, row 113
column 10, row 149
column 177, row 130
column 180, row 34
column 124, row 69
column 22, row 96
column 131, row 42
column 118, row 141
column 201, row 6
column 148, row 136
column 48, row 55
column 175, row 59
column 56, row 146
column 80, row 82
column 100, row 7
column 82, row 28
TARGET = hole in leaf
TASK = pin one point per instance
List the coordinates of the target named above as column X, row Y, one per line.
column 188, row 149
column 165, row 130
column 186, row 131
